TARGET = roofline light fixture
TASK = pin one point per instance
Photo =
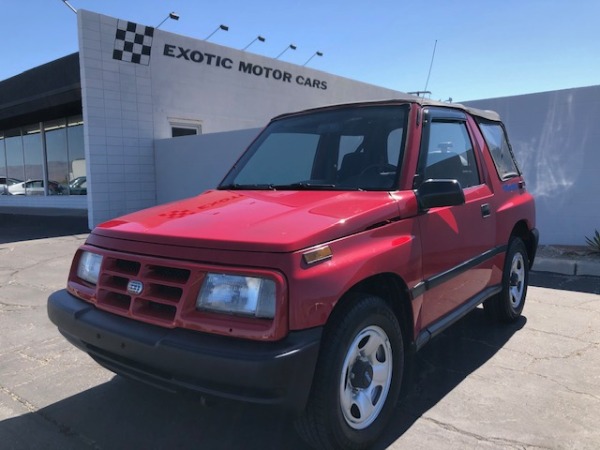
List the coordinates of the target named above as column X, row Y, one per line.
column 292, row 46
column 172, row 15
column 68, row 5
column 314, row 54
column 220, row 27
column 257, row 38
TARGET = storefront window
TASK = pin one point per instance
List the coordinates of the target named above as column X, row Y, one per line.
column 77, row 174
column 33, row 153
column 57, row 151
column 2, row 157
column 15, row 165
column 3, row 180
column 54, row 148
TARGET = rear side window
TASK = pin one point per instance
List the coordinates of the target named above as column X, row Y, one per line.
column 497, row 142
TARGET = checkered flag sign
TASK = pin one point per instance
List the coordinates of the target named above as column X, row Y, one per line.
column 133, row 42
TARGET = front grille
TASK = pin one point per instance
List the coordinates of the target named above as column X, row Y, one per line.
column 162, row 296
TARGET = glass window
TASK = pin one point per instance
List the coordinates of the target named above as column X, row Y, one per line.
column 347, row 148
column 184, row 127
column 3, row 181
column 28, row 153
column 394, row 145
column 33, row 153
column 77, row 171
column 267, row 167
column 181, row 131
column 496, row 140
column 2, row 157
column 450, row 154
column 15, row 166
column 348, row 144
column 57, row 152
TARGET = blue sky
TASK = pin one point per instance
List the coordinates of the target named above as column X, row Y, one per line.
column 484, row 48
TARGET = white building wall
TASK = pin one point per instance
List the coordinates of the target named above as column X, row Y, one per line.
column 555, row 137
column 127, row 105
column 118, row 124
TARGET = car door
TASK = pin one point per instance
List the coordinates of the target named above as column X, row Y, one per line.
column 457, row 241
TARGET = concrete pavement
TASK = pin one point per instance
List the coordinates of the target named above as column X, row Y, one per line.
column 577, row 261
column 533, row 384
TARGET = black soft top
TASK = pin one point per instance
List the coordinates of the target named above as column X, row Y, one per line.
column 484, row 114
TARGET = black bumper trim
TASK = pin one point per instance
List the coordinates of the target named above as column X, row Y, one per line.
column 276, row 373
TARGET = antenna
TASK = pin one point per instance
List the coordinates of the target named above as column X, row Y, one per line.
column 430, row 66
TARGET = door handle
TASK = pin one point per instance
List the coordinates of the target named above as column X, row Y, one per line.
column 485, row 210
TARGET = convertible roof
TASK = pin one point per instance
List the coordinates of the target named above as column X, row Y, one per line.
column 485, row 114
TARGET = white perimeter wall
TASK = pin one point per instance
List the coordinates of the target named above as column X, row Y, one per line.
column 556, row 139
column 126, row 106
column 190, row 165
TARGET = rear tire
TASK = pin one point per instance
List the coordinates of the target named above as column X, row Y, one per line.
column 508, row 305
column 358, row 377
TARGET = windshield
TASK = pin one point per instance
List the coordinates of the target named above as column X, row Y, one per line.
column 354, row 148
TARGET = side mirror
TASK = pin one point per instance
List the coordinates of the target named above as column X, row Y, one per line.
column 437, row 193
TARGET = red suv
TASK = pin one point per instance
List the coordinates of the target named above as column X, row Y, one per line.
column 343, row 238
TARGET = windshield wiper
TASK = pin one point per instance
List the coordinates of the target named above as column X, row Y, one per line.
column 246, row 187
column 304, row 186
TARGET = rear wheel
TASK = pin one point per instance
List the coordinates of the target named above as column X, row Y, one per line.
column 358, row 377
column 508, row 305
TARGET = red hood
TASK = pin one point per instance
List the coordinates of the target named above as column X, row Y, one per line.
column 271, row 221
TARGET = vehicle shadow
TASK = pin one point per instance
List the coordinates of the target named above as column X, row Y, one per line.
column 125, row 414
column 584, row 284
column 20, row 227
column 443, row 364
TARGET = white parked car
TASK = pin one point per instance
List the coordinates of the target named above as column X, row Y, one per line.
column 5, row 182
column 35, row 187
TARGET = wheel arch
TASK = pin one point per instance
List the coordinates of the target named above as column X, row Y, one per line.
column 390, row 288
column 529, row 238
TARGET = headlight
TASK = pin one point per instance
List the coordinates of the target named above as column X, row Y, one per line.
column 89, row 267
column 250, row 296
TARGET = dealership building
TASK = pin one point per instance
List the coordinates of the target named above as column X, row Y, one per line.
column 101, row 112
column 140, row 116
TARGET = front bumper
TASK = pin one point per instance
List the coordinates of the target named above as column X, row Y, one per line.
column 276, row 373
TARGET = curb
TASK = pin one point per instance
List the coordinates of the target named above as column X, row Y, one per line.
column 563, row 266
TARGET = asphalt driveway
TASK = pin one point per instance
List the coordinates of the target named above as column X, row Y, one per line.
column 534, row 384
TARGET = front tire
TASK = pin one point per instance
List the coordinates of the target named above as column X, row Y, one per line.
column 358, row 377
column 508, row 305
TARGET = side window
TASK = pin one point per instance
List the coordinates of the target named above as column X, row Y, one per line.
column 496, row 140
column 450, row 154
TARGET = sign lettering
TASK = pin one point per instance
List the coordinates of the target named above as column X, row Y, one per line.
column 244, row 67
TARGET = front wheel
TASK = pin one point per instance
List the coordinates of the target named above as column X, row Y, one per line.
column 358, row 377
column 508, row 305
